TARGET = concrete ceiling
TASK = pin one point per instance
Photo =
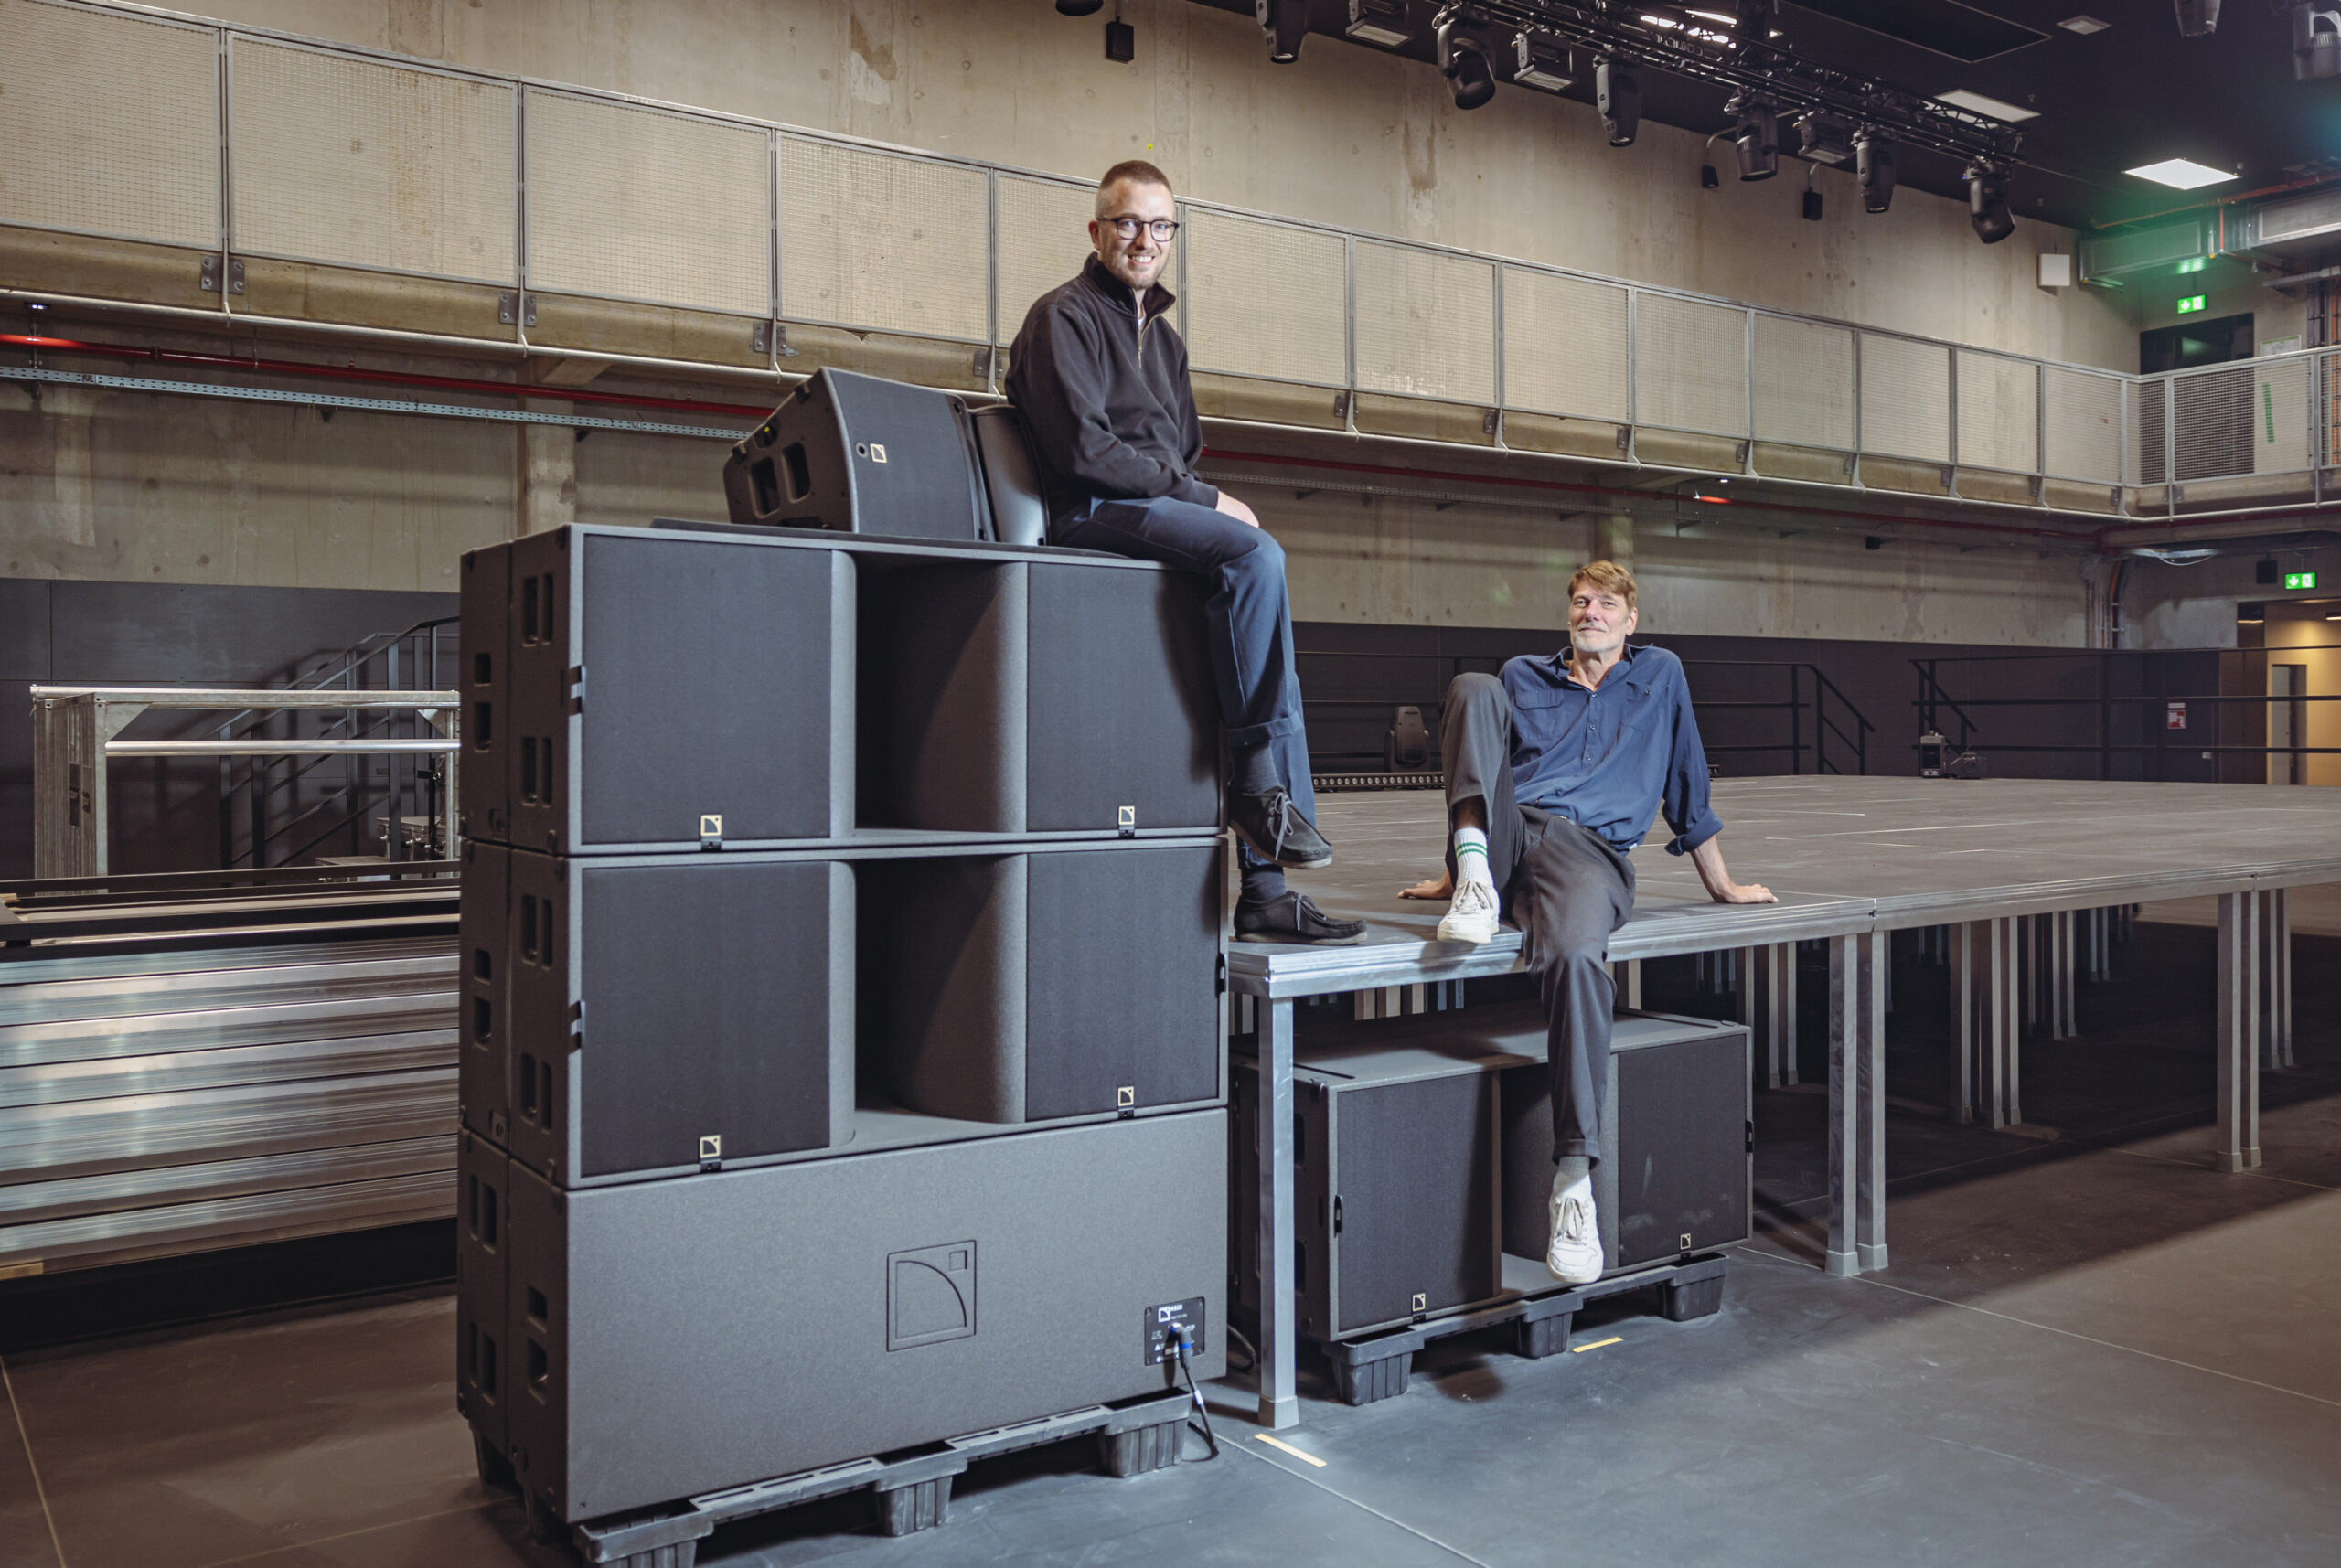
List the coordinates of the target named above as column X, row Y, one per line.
column 2136, row 93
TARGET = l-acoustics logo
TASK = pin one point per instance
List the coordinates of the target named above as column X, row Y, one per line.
column 930, row 1295
column 877, row 452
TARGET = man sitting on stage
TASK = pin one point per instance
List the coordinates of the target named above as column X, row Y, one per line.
column 1552, row 774
column 1102, row 381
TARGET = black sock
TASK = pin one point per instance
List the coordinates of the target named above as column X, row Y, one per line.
column 1252, row 770
column 1262, row 883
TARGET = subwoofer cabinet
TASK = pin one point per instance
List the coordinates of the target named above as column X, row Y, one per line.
column 663, row 688
column 1395, row 1194
column 1677, row 1142
column 484, row 995
column 668, row 1338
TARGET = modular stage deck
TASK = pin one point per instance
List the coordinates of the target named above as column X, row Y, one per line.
column 1851, row 860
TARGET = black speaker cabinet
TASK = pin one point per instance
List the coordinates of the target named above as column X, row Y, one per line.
column 861, row 454
column 668, row 1339
column 1677, row 1142
column 482, row 1181
column 1026, row 696
column 1395, row 1193
column 482, row 790
column 1026, row 987
column 673, row 1014
column 670, row 690
column 484, row 991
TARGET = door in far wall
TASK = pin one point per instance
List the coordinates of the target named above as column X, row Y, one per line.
column 2287, row 724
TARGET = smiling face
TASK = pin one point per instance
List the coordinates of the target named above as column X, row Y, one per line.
column 1599, row 620
column 1137, row 261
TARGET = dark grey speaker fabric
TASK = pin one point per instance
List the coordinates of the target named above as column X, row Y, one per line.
column 862, row 454
column 661, row 1002
column 484, row 675
column 483, row 1386
column 954, row 932
column 1019, row 514
column 1122, row 979
column 1123, row 709
column 941, row 678
column 721, row 1329
column 659, row 680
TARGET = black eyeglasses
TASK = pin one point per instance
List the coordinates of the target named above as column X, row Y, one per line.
column 1163, row 229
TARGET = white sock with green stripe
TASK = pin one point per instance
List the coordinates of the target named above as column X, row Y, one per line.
column 1471, row 855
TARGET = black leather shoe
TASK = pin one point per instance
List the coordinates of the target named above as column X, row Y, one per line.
column 1290, row 917
column 1277, row 831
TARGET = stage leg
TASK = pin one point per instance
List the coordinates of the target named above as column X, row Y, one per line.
column 1780, row 1012
column 1857, row 1105
column 1280, row 1339
column 2239, row 1042
column 2275, row 978
column 1968, row 971
column 2061, row 939
column 1869, row 1197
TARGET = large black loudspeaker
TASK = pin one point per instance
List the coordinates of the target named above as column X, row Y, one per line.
column 1395, row 1191
column 859, row 455
column 669, row 691
column 483, row 790
column 484, row 999
column 1677, row 1142
column 677, row 1013
column 1029, row 988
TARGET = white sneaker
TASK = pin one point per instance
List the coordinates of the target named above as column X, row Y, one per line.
column 1574, row 1257
column 1472, row 916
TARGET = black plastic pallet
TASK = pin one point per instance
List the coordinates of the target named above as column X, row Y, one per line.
column 909, row 1490
column 1375, row 1367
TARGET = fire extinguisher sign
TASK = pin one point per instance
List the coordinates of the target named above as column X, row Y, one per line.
column 2174, row 716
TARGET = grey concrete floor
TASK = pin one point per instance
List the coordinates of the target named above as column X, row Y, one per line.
column 2089, row 1349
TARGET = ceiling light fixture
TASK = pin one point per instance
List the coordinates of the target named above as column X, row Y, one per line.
column 1987, row 203
column 1380, row 22
column 1758, row 137
column 1619, row 96
column 1540, row 63
column 1873, row 166
column 2197, row 18
column 2180, row 173
column 1976, row 103
column 2084, row 26
column 1285, row 25
column 1824, row 139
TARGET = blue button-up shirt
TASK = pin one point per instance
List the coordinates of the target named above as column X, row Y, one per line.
column 1608, row 760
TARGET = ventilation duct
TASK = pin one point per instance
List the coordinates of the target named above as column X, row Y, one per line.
column 2111, row 258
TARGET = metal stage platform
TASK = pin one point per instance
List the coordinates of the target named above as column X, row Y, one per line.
column 1851, row 858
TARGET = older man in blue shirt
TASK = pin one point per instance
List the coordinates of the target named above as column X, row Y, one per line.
column 1553, row 775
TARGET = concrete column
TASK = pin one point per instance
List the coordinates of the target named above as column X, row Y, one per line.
column 1613, row 538
column 547, row 458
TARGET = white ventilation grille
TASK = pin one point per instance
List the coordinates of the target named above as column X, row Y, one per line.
column 1264, row 299
column 1906, row 399
column 879, row 240
column 637, row 204
column 2083, row 418
column 139, row 160
column 1804, row 383
column 1425, row 323
column 1563, row 346
column 1690, row 365
column 1999, row 412
column 364, row 165
column 2280, row 417
column 1043, row 239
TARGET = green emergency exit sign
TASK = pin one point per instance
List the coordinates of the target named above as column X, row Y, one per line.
column 2190, row 305
column 2294, row 580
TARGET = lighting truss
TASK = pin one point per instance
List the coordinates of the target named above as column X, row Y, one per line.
column 1683, row 41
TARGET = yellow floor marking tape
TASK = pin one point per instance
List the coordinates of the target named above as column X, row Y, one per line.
column 1581, row 1349
column 1289, row 1448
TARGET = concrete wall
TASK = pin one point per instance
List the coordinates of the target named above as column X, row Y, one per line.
column 2194, row 606
column 1349, row 137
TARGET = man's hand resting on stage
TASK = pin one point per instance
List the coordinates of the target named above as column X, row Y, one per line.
column 1708, row 858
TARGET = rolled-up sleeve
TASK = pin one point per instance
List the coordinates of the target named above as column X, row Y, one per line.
column 1684, row 804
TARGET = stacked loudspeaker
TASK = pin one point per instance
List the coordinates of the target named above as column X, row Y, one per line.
column 843, row 1062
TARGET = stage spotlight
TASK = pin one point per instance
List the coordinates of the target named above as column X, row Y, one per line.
column 1080, row 7
column 2316, row 40
column 1874, row 165
column 1824, row 139
column 1619, row 98
column 1758, row 137
column 1285, row 25
column 1987, row 203
column 2197, row 18
column 1541, row 63
column 1383, row 22
column 1463, row 58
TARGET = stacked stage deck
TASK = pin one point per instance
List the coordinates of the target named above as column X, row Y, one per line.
column 1850, row 858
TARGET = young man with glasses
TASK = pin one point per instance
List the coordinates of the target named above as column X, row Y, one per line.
column 1102, row 381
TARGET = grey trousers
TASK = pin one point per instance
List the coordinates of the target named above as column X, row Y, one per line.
column 1566, row 887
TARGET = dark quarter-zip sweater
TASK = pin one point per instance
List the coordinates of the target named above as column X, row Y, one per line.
column 1103, row 387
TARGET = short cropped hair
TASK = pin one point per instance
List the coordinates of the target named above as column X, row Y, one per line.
column 1137, row 169
column 1608, row 576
